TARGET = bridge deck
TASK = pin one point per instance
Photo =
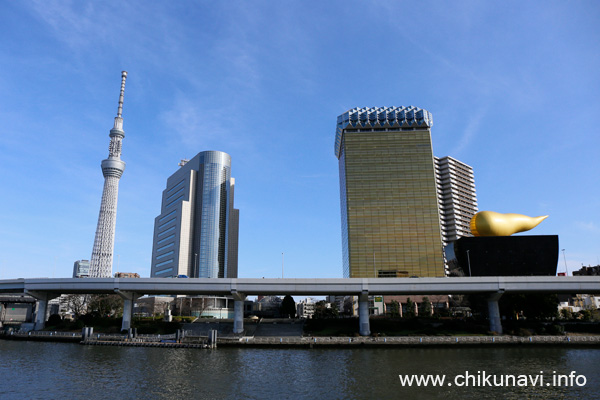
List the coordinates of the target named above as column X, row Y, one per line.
column 352, row 286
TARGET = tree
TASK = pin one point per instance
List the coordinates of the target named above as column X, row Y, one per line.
column 288, row 307
column 439, row 303
column 585, row 315
column 198, row 305
column 54, row 320
column 565, row 313
column 78, row 304
column 531, row 305
column 425, row 309
column 325, row 310
column 394, row 309
column 410, row 308
column 334, row 311
column 194, row 306
column 106, row 304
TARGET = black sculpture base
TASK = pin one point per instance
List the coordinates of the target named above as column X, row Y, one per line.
column 503, row 256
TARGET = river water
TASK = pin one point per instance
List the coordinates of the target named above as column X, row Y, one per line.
column 35, row 370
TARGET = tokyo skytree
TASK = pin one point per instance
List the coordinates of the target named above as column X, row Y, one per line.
column 112, row 169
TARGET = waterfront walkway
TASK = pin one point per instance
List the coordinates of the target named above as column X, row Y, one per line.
column 420, row 341
column 190, row 340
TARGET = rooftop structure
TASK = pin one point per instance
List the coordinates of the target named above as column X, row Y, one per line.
column 127, row 275
column 381, row 118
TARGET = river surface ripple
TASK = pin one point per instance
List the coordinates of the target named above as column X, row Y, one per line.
column 37, row 370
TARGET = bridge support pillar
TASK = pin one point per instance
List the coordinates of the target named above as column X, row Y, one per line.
column 42, row 307
column 238, row 308
column 494, row 313
column 40, row 314
column 363, row 315
column 129, row 298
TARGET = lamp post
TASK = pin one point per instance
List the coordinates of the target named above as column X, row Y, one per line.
column 469, row 262
column 195, row 273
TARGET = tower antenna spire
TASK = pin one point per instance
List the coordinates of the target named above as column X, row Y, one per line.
column 123, row 78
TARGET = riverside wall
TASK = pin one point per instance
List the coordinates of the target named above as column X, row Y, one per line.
column 170, row 341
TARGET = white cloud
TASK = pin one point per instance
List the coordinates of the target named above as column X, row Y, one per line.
column 195, row 125
column 470, row 132
column 73, row 22
column 588, row 226
column 201, row 125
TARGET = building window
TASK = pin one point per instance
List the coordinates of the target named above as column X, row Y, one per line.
column 164, row 263
column 165, row 255
column 176, row 186
column 164, row 271
column 168, row 230
column 165, row 247
column 174, row 201
column 174, row 194
column 166, row 223
column 165, row 239
column 167, row 216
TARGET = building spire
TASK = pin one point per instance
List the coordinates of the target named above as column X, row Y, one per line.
column 123, row 78
column 118, row 127
column 112, row 169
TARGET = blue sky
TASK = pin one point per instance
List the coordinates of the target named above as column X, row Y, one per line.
column 513, row 87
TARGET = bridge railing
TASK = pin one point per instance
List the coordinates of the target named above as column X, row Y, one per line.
column 156, row 338
column 424, row 340
column 49, row 333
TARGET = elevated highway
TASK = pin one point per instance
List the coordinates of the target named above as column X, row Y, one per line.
column 292, row 286
column 45, row 289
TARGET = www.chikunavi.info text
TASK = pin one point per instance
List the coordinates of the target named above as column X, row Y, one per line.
column 482, row 379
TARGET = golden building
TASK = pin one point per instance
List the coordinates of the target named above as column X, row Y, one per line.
column 389, row 202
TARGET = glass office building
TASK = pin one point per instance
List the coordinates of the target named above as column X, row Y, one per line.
column 196, row 233
column 81, row 269
column 389, row 200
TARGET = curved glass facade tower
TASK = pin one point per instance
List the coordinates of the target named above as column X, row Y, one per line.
column 196, row 233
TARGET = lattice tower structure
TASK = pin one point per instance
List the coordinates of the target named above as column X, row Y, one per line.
column 112, row 169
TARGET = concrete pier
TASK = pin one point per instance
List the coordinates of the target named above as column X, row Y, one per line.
column 42, row 307
column 494, row 313
column 129, row 298
column 238, row 308
column 40, row 315
column 363, row 315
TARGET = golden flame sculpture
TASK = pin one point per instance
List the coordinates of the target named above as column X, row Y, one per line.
column 490, row 223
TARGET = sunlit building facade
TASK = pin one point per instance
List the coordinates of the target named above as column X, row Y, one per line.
column 458, row 198
column 388, row 190
column 196, row 233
